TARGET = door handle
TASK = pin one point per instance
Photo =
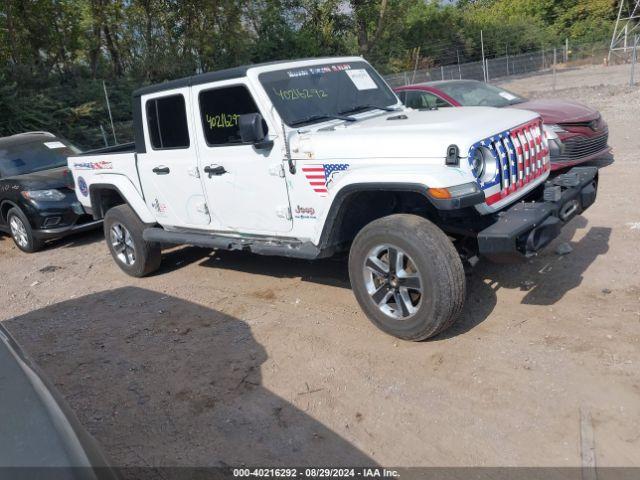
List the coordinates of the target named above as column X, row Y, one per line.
column 214, row 170
column 161, row 170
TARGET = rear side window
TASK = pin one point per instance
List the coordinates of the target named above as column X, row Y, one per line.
column 167, row 122
column 220, row 110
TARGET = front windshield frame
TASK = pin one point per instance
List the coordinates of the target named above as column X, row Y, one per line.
column 500, row 96
column 26, row 163
column 303, row 83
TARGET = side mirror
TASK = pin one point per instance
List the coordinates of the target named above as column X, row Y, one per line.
column 252, row 130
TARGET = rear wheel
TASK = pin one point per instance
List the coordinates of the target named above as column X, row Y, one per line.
column 407, row 276
column 123, row 232
column 21, row 231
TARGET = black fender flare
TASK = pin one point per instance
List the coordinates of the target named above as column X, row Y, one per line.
column 332, row 219
column 96, row 206
column 95, row 190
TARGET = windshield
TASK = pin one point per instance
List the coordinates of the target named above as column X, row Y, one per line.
column 315, row 93
column 474, row 94
column 33, row 157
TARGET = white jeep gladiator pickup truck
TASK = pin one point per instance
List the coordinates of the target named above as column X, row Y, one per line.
column 310, row 158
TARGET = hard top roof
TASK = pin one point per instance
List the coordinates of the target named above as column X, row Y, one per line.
column 227, row 74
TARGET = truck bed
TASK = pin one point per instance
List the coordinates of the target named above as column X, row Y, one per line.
column 113, row 166
column 121, row 148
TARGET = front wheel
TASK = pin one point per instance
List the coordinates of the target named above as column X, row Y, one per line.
column 407, row 276
column 21, row 231
column 123, row 232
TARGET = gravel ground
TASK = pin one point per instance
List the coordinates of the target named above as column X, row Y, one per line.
column 227, row 359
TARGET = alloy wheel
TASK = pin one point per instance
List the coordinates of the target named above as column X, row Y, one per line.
column 19, row 231
column 122, row 244
column 393, row 281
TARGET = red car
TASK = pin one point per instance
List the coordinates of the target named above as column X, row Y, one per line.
column 582, row 133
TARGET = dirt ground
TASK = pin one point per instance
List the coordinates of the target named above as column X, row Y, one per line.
column 229, row 359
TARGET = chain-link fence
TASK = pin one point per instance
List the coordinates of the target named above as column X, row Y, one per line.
column 563, row 58
column 509, row 65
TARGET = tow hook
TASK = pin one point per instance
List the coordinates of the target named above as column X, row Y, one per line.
column 568, row 209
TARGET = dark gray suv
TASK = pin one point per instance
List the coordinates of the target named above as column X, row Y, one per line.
column 37, row 199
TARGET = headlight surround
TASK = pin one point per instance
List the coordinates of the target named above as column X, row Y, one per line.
column 483, row 164
column 51, row 195
column 477, row 162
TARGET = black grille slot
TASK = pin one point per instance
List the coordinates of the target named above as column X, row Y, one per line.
column 580, row 147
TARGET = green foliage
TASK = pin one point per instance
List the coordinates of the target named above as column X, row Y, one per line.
column 54, row 54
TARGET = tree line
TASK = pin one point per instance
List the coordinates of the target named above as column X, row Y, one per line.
column 55, row 54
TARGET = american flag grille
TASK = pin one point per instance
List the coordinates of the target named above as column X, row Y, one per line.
column 580, row 147
column 521, row 155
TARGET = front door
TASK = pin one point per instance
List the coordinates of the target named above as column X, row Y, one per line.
column 168, row 170
column 245, row 187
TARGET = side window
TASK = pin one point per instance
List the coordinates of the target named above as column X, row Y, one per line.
column 419, row 99
column 167, row 122
column 440, row 103
column 220, row 109
column 414, row 99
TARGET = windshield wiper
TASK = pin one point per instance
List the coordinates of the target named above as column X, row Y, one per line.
column 368, row 106
column 313, row 118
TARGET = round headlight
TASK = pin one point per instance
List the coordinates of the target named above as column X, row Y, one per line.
column 483, row 164
column 477, row 162
column 491, row 167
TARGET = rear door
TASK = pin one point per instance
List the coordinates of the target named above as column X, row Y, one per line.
column 169, row 169
column 247, row 192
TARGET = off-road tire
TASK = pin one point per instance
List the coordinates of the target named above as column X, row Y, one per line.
column 31, row 243
column 438, row 266
column 147, row 255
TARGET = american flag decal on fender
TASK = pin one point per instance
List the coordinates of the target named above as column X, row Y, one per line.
column 320, row 175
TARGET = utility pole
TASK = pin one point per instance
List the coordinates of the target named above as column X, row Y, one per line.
column 506, row 54
column 459, row 70
column 104, row 136
column 566, row 50
column 634, row 59
column 106, row 96
column 415, row 68
column 555, row 59
column 484, row 66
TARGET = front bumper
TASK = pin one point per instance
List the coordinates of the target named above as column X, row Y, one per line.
column 49, row 233
column 528, row 227
column 54, row 219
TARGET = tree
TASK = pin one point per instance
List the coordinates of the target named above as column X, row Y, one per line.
column 54, row 54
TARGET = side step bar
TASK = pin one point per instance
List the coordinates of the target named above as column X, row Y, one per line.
column 304, row 250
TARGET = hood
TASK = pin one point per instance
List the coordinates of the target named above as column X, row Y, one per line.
column 45, row 179
column 559, row 111
column 406, row 133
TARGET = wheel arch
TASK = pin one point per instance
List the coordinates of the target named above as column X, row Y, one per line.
column 104, row 196
column 356, row 205
column 5, row 206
